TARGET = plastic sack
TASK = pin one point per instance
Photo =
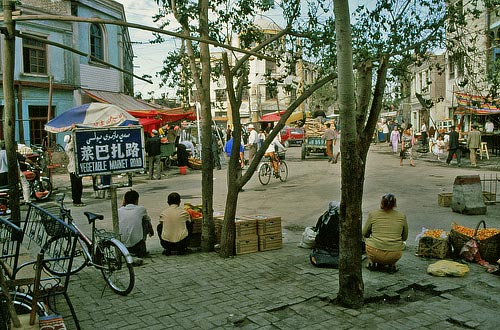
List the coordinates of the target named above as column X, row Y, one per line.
column 447, row 268
column 308, row 240
column 470, row 250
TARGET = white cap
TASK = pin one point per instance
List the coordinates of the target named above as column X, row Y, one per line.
column 250, row 126
column 67, row 138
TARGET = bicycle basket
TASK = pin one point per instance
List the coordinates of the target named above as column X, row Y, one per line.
column 52, row 226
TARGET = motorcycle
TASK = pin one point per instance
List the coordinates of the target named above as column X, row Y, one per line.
column 40, row 188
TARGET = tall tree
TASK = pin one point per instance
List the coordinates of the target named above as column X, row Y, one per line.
column 227, row 20
column 382, row 39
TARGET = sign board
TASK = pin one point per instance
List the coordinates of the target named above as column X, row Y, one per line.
column 102, row 151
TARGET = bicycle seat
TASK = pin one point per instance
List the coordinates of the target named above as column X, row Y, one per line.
column 92, row 216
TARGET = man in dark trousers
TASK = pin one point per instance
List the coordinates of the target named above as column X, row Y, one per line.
column 153, row 148
column 453, row 147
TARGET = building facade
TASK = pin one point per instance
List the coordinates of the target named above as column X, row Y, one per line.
column 50, row 77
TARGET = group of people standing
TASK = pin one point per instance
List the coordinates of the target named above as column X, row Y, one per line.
column 443, row 142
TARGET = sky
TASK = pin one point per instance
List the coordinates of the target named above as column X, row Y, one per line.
column 149, row 57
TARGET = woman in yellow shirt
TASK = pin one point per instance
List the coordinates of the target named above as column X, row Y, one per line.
column 385, row 232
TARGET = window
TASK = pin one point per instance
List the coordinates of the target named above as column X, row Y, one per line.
column 96, row 42
column 271, row 92
column 220, row 95
column 34, row 57
column 38, row 119
column 451, row 67
column 270, row 67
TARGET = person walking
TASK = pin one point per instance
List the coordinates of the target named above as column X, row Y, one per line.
column 385, row 131
column 473, row 143
column 453, row 147
column 394, row 140
column 215, row 151
column 76, row 181
column 385, row 232
column 153, row 149
column 329, row 136
column 407, row 147
column 253, row 141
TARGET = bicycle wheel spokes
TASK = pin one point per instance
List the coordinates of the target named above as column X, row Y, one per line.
column 283, row 171
column 117, row 272
column 60, row 247
column 264, row 173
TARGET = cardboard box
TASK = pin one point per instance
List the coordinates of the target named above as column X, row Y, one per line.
column 245, row 227
column 267, row 224
column 247, row 244
column 270, row 242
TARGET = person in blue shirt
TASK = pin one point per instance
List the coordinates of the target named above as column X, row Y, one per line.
column 227, row 149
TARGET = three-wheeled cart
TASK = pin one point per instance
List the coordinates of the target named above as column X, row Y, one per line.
column 167, row 151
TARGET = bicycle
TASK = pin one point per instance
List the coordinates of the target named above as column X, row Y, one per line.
column 108, row 254
column 265, row 170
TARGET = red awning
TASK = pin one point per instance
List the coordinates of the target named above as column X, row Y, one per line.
column 272, row 117
column 149, row 124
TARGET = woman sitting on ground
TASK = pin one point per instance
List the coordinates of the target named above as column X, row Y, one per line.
column 385, row 232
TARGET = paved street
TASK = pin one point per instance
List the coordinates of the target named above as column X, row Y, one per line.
column 280, row 289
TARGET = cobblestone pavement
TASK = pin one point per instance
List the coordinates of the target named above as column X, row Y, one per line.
column 280, row 289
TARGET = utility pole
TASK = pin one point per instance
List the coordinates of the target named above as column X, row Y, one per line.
column 9, row 109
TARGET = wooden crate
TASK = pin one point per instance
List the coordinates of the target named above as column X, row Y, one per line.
column 444, row 199
column 195, row 240
column 197, row 224
column 247, row 244
column 245, row 227
column 270, row 242
column 489, row 196
column 268, row 224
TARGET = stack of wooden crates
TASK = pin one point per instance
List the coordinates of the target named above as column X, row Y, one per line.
column 254, row 233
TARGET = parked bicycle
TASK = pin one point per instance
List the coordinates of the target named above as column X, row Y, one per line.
column 102, row 250
column 266, row 170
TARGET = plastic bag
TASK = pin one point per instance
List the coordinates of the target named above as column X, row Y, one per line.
column 308, row 240
column 470, row 250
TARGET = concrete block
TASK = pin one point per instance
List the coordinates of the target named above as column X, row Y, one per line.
column 468, row 195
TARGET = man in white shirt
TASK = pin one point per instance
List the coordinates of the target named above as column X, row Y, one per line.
column 135, row 224
column 253, row 142
column 489, row 127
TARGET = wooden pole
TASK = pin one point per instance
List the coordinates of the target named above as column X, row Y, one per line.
column 10, row 109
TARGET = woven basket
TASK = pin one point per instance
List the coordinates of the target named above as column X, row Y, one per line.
column 489, row 248
column 430, row 247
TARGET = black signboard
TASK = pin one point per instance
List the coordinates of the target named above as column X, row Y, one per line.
column 100, row 151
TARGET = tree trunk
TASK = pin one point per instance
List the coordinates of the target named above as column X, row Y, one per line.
column 207, row 176
column 353, row 165
column 10, row 111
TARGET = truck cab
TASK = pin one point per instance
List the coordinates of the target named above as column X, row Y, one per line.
column 292, row 136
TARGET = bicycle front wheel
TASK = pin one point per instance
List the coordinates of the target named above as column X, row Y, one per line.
column 61, row 247
column 283, row 168
column 116, row 270
column 264, row 173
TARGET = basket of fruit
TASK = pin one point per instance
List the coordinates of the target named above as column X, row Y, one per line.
column 488, row 238
column 434, row 244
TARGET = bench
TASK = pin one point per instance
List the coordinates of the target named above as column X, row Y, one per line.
column 41, row 240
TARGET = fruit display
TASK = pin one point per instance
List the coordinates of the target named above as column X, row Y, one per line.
column 482, row 234
column 435, row 233
column 195, row 211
